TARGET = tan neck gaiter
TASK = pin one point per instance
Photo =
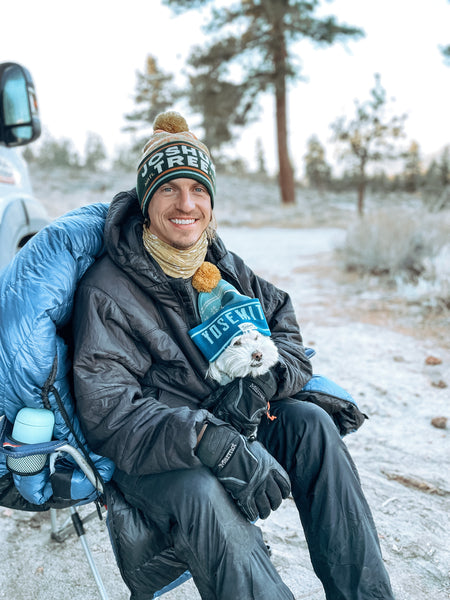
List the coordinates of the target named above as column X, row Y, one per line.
column 176, row 263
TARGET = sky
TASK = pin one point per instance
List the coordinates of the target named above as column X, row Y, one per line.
column 84, row 56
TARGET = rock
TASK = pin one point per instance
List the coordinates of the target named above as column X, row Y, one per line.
column 439, row 384
column 433, row 360
column 439, row 422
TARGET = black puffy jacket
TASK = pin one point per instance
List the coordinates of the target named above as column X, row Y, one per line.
column 139, row 378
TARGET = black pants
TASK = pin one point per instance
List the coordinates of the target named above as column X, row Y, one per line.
column 226, row 554
column 341, row 535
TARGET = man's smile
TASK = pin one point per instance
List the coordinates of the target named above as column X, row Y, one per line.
column 183, row 221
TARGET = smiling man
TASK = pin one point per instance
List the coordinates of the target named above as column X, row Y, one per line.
column 188, row 484
column 179, row 213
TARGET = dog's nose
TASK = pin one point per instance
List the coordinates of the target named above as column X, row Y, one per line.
column 257, row 356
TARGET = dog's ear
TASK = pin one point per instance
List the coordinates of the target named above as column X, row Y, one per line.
column 213, row 372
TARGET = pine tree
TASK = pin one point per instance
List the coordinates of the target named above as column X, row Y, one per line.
column 28, row 154
column 317, row 170
column 437, row 182
column 446, row 54
column 253, row 45
column 51, row 153
column 260, row 158
column 413, row 168
column 216, row 100
column 444, row 167
column 94, row 151
column 370, row 136
column 154, row 93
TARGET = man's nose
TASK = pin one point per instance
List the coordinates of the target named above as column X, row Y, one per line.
column 186, row 200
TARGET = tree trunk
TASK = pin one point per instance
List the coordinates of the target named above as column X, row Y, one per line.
column 361, row 188
column 286, row 173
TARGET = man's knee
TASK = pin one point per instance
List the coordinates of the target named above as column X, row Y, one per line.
column 199, row 483
column 301, row 432
column 304, row 419
column 198, row 492
column 172, row 489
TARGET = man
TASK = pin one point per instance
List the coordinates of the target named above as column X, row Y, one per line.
column 140, row 385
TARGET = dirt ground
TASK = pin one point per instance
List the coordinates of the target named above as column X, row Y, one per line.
column 396, row 363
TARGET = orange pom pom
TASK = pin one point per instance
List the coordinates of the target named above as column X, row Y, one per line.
column 170, row 121
column 206, row 277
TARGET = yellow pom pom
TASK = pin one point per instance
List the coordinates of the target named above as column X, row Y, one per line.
column 206, row 277
column 170, row 121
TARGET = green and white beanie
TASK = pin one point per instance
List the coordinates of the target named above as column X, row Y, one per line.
column 172, row 152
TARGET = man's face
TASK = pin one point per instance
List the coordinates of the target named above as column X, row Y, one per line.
column 179, row 212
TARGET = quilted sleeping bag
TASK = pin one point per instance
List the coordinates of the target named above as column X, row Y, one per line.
column 36, row 299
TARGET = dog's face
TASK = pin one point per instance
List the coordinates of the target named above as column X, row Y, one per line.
column 248, row 354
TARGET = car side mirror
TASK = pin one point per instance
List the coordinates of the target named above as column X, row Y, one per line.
column 19, row 115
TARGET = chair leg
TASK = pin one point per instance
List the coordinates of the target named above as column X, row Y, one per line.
column 79, row 528
column 60, row 533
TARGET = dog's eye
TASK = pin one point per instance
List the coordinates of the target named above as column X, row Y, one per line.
column 237, row 342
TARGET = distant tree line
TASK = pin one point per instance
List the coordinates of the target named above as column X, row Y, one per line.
column 432, row 182
column 50, row 153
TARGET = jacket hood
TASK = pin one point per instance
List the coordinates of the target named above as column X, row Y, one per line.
column 123, row 239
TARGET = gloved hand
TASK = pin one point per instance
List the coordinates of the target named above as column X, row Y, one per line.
column 243, row 402
column 247, row 471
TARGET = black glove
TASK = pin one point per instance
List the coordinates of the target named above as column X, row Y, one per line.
column 243, row 402
column 247, row 471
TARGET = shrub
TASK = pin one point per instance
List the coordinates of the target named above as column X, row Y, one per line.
column 399, row 245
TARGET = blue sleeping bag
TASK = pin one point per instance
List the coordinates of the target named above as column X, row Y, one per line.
column 36, row 300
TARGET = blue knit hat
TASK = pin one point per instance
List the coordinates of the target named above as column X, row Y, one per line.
column 225, row 314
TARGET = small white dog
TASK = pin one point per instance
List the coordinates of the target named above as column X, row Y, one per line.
column 251, row 353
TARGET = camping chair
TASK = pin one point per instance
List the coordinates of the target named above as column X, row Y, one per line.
column 27, row 457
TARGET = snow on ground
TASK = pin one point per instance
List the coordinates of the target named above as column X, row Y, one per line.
column 369, row 340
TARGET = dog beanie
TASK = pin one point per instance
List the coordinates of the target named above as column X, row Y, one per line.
column 171, row 152
column 225, row 313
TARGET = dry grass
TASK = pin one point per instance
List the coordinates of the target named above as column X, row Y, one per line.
column 395, row 243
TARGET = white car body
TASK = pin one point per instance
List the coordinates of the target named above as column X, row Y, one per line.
column 21, row 214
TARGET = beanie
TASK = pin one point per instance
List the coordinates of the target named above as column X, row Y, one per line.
column 225, row 313
column 171, row 152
